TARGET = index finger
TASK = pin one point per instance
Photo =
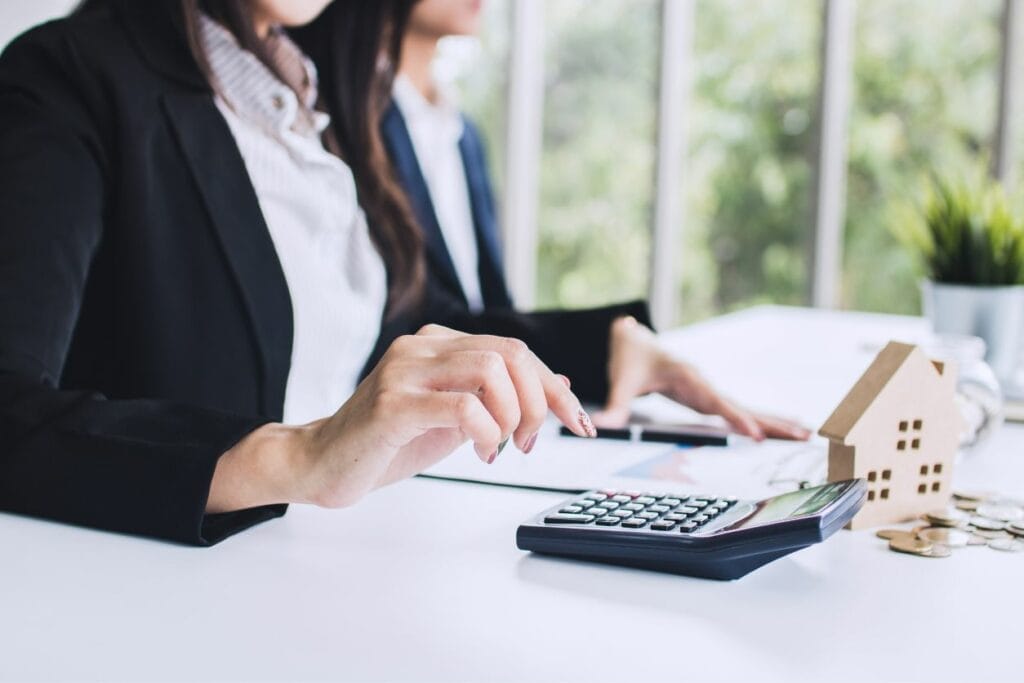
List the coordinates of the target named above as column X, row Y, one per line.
column 522, row 363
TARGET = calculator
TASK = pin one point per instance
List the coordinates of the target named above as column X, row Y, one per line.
column 695, row 535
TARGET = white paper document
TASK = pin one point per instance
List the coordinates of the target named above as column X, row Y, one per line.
column 748, row 470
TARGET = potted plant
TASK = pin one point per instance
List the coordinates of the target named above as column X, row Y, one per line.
column 971, row 245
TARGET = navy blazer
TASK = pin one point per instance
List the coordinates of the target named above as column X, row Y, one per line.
column 441, row 270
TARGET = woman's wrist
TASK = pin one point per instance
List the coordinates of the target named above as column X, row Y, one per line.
column 638, row 344
column 268, row 466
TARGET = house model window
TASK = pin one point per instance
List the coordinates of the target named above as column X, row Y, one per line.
column 898, row 428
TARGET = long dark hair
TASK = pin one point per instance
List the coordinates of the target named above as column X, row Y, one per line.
column 356, row 46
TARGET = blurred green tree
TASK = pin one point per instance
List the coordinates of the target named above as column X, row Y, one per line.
column 597, row 166
column 747, row 172
column 923, row 103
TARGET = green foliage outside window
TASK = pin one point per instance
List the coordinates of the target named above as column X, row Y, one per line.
column 923, row 104
column 597, row 168
column 748, row 176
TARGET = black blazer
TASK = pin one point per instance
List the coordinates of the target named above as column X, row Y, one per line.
column 145, row 322
column 474, row 161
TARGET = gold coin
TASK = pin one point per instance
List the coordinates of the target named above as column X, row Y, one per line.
column 967, row 505
column 913, row 546
column 953, row 538
column 889, row 534
column 1016, row 528
column 975, row 539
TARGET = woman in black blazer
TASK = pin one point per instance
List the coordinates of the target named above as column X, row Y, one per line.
column 146, row 325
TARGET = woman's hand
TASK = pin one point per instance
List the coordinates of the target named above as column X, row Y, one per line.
column 429, row 393
column 638, row 366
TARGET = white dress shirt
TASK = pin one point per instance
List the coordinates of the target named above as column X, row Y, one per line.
column 435, row 130
column 335, row 275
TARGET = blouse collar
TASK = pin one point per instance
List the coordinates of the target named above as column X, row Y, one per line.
column 253, row 91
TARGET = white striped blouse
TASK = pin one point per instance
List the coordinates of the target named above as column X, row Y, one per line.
column 335, row 275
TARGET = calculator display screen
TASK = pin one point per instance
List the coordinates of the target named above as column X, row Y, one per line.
column 795, row 504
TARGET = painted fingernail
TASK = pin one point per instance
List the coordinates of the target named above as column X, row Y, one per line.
column 529, row 443
column 586, row 423
column 501, row 446
column 490, row 460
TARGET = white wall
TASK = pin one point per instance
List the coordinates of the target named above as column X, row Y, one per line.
column 18, row 15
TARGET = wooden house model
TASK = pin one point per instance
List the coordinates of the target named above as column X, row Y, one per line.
column 898, row 428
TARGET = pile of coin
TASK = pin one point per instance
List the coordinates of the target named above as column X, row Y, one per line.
column 981, row 519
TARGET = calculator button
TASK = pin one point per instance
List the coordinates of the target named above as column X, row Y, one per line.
column 622, row 514
column 571, row 509
column 632, row 494
column 644, row 500
column 597, row 497
column 647, row 515
column 699, row 519
column 563, row 518
column 686, row 509
column 675, row 517
column 635, row 507
column 658, row 508
column 720, row 505
column 608, row 492
column 608, row 505
column 633, row 523
column 671, row 502
column 622, row 499
column 584, row 503
column 608, row 521
column 662, row 525
column 686, row 527
column 697, row 502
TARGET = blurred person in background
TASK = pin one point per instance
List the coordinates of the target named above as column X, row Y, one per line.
column 440, row 159
column 441, row 164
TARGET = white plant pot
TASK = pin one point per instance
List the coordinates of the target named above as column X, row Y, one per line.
column 996, row 314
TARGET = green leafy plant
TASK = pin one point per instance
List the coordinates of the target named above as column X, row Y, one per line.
column 966, row 234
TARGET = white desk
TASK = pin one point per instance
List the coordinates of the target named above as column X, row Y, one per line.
column 422, row 581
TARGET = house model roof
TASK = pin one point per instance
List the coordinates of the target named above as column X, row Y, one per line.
column 868, row 387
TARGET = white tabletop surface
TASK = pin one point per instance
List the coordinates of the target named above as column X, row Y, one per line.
column 422, row 581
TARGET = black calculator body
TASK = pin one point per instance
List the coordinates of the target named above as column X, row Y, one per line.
column 705, row 536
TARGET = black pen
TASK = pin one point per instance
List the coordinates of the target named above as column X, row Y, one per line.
column 684, row 435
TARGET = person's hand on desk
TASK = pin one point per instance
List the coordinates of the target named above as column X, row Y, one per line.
column 429, row 393
column 638, row 366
